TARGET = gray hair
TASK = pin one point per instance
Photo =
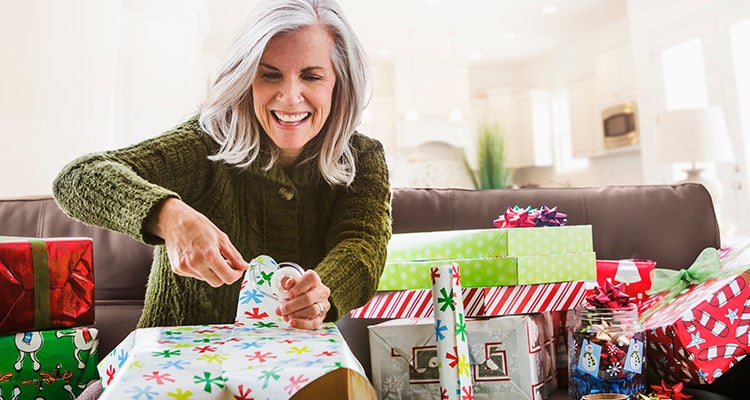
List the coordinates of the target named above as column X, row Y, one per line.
column 228, row 114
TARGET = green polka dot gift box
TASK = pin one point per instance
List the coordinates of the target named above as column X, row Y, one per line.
column 492, row 257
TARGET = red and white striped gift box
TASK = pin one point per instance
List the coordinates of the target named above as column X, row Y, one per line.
column 478, row 302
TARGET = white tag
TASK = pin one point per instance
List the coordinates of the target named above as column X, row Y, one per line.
column 627, row 272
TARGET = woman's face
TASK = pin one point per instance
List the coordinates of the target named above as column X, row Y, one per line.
column 293, row 89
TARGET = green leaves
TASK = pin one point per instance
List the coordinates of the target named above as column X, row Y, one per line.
column 492, row 172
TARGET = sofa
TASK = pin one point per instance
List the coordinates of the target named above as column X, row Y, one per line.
column 669, row 224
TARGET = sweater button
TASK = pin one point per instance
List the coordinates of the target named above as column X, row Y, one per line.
column 286, row 193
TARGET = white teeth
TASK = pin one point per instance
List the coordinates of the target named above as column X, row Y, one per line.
column 290, row 117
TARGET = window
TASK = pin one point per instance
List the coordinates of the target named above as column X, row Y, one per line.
column 684, row 75
column 684, row 72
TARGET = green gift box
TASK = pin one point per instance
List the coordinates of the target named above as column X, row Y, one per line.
column 50, row 364
column 484, row 243
column 493, row 271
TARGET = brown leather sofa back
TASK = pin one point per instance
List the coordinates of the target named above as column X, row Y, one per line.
column 669, row 224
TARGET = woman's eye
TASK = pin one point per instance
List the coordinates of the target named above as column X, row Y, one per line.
column 270, row 75
column 311, row 77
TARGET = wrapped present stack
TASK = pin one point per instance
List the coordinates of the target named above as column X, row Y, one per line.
column 507, row 270
column 46, row 306
column 518, row 273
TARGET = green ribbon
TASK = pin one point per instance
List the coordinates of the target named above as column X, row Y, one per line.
column 707, row 266
column 39, row 258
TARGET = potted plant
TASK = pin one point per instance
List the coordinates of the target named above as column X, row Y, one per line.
column 491, row 172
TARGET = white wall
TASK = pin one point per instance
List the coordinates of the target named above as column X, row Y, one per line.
column 88, row 75
column 56, row 95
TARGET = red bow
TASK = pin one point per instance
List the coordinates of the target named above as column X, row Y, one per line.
column 611, row 296
column 664, row 391
column 517, row 217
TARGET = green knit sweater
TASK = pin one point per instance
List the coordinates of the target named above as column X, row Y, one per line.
column 289, row 214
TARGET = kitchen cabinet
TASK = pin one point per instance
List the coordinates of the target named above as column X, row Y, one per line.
column 526, row 121
column 615, row 76
column 586, row 131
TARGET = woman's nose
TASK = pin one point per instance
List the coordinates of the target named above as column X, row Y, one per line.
column 290, row 92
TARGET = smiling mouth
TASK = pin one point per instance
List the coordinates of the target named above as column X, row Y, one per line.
column 290, row 119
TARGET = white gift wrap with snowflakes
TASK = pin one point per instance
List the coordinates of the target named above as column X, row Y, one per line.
column 511, row 357
column 259, row 356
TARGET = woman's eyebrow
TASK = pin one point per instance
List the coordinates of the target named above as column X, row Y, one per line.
column 306, row 69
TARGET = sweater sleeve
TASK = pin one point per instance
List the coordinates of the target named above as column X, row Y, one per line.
column 119, row 189
column 359, row 233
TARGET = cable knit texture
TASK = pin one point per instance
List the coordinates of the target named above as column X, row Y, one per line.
column 341, row 232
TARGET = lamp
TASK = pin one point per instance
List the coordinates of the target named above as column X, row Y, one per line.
column 696, row 135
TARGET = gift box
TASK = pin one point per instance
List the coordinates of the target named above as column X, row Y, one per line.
column 484, row 243
column 50, row 364
column 494, row 271
column 478, row 302
column 224, row 361
column 511, row 357
column 635, row 274
column 45, row 283
column 259, row 356
column 699, row 329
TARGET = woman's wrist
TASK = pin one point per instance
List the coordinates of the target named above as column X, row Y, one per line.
column 164, row 213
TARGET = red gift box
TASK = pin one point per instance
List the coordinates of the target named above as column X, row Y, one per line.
column 45, row 283
column 702, row 332
column 478, row 302
column 635, row 274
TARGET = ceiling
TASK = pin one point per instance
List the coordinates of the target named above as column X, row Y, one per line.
column 476, row 31
column 457, row 30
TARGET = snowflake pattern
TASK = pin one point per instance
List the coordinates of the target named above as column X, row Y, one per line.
column 393, row 384
column 259, row 350
column 614, row 369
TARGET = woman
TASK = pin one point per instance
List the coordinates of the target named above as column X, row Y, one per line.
column 271, row 165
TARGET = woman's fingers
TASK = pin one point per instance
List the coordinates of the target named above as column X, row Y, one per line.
column 307, row 302
column 196, row 247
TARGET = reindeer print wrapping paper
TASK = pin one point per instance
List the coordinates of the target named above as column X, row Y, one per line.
column 259, row 356
column 703, row 332
column 51, row 364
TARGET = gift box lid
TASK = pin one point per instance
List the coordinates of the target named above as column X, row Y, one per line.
column 497, row 242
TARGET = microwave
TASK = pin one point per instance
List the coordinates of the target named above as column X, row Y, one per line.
column 620, row 125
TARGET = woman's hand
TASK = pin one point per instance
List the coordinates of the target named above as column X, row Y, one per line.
column 195, row 246
column 307, row 302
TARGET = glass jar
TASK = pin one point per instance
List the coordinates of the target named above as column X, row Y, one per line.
column 606, row 352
